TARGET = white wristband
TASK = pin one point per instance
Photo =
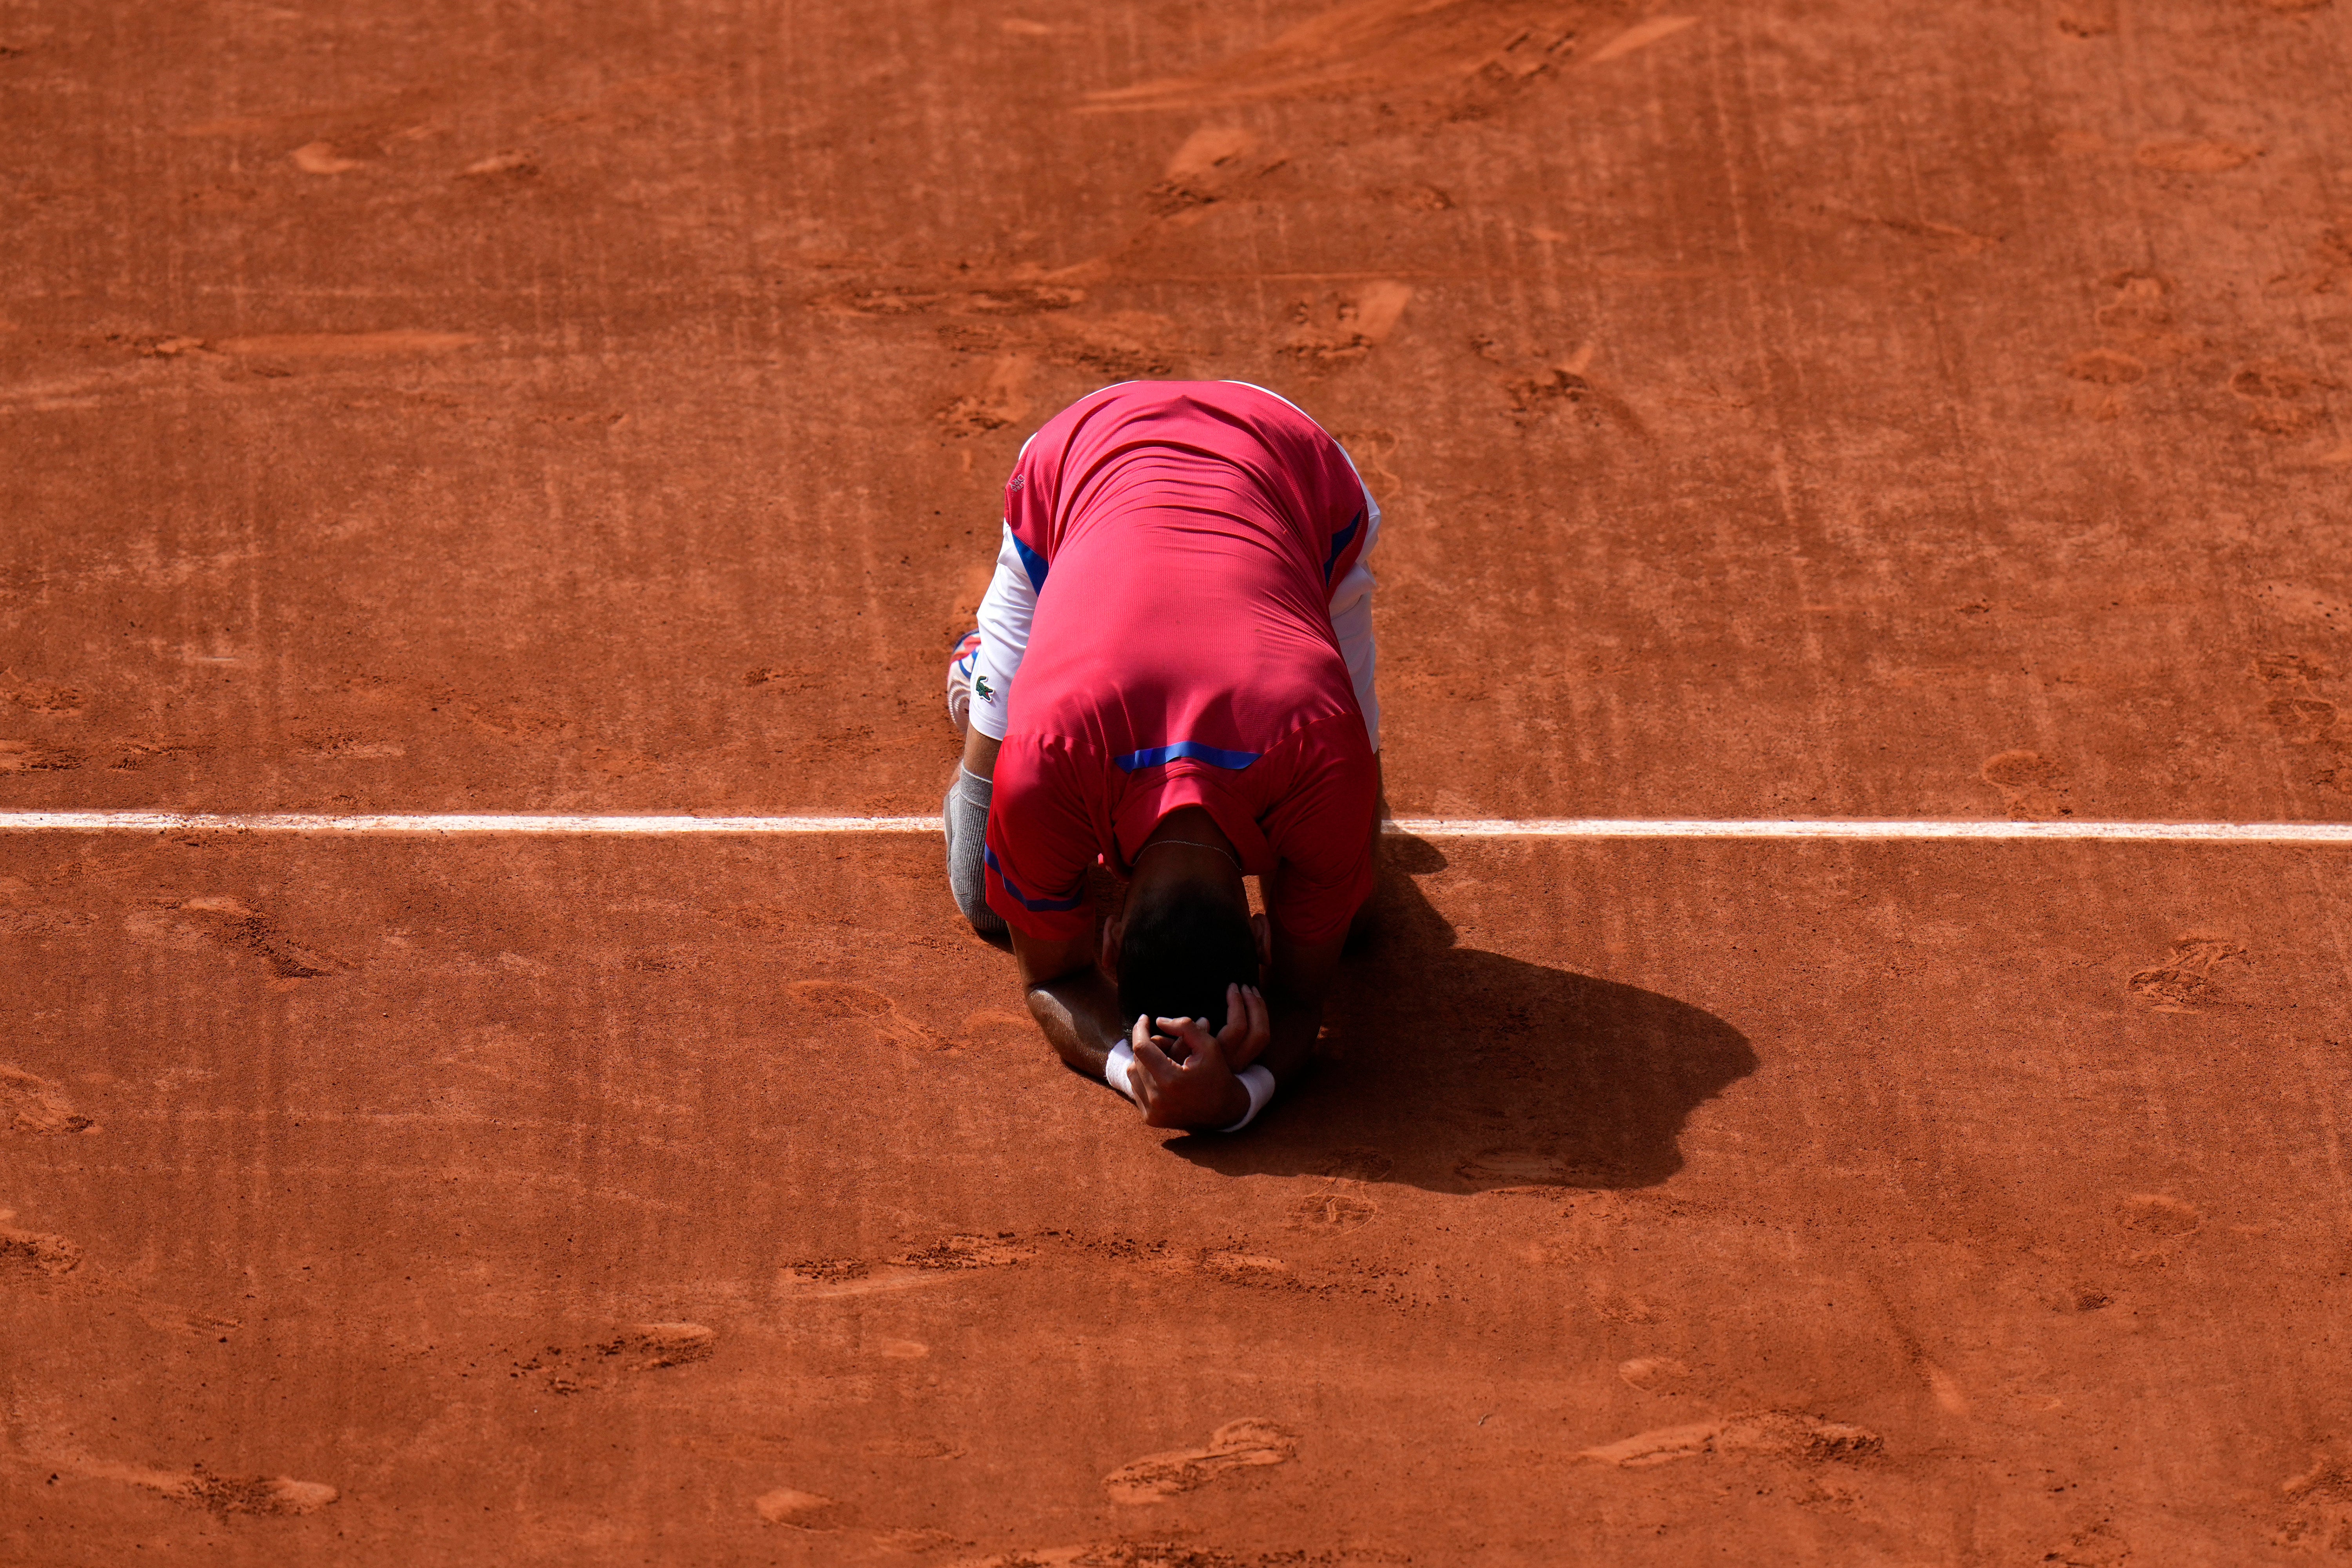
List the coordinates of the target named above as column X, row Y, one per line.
column 1121, row 1063
column 1260, row 1084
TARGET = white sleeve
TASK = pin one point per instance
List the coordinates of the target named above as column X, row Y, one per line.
column 1351, row 621
column 1004, row 615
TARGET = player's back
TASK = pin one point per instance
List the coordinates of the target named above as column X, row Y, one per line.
column 1186, row 534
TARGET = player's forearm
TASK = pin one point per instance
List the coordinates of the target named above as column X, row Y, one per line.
column 1079, row 1017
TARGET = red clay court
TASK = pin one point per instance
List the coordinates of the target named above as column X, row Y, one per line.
column 1802, row 411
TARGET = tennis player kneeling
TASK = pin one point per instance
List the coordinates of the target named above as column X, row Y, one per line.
column 1172, row 678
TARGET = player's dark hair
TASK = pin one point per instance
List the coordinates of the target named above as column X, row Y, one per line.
column 1179, row 952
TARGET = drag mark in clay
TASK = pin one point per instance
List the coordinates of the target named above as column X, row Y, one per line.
column 1237, row 1445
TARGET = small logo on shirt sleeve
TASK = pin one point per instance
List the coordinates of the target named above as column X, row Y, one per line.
column 1018, row 480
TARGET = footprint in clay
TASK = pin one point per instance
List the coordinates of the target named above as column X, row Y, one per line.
column 640, row 1347
column 1652, row 1373
column 800, row 1510
column 2186, row 980
column 31, row 1104
column 266, row 1494
column 2032, row 787
column 2318, row 1505
column 223, row 1495
column 1772, row 1433
column 861, row 1007
column 1235, row 1445
column 2158, row 1214
column 1334, row 1211
column 991, row 1030
column 240, row 928
column 32, row 1253
column 941, row 1261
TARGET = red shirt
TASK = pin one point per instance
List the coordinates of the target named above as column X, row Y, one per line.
column 1184, row 537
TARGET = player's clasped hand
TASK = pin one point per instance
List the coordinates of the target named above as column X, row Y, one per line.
column 1184, row 1076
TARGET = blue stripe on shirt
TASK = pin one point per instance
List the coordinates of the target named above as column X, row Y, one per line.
column 1023, row 900
column 1153, row 756
column 1034, row 565
column 1339, row 546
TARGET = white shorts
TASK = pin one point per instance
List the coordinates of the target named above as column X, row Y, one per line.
column 1007, row 609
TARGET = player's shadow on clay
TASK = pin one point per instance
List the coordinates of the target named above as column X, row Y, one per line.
column 1466, row 1070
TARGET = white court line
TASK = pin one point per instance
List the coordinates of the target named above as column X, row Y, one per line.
column 1419, row 826
column 439, row 823
column 1868, row 827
